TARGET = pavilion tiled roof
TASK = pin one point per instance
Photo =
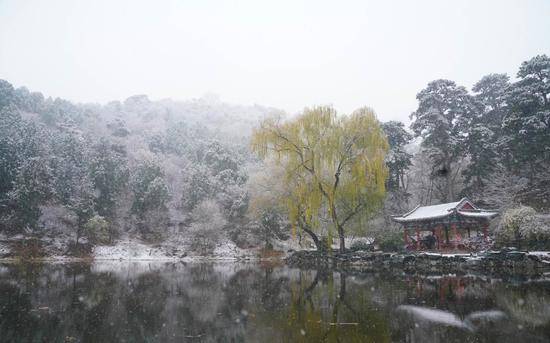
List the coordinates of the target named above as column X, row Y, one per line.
column 463, row 207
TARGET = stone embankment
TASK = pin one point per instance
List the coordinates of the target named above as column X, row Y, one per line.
column 494, row 262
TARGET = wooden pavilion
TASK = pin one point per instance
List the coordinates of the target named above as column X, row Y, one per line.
column 451, row 226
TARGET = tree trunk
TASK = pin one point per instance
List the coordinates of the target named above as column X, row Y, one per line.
column 315, row 239
column 339, row 227
column 342, row 240
column 402, row 179
column 449, row 179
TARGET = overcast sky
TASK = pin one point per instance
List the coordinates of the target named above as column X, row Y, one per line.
column 286, row 54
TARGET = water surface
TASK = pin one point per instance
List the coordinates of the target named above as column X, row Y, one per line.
column 239, row 302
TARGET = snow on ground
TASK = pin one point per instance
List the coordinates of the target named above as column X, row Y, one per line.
column 543, row 256
column 349, row 241
column 134, row 250
column 230, row 251
column 540, row 253
column 129, row 250
column 446, row 254
column 4, row 249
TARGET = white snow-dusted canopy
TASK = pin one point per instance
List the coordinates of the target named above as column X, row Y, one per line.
column 463, row 207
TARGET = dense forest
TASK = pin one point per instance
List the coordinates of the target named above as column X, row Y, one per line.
column 144, row 168
column 186, row 172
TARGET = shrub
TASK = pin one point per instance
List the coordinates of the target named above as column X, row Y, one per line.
column 361, row 245
column 390, row 240
column 97, row 229
column 30, row 248
column 520, row 226
column 267, row 253
column 207, row 227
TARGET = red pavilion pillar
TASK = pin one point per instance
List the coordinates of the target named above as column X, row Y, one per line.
column 455, row 236
column 438, row 235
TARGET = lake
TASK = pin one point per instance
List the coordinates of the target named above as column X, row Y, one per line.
column 254, row 302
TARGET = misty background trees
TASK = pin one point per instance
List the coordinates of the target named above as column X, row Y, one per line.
column 153, row 170
column 159, row 170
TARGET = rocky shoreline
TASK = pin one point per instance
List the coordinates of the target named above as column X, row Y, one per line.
column 488, row 262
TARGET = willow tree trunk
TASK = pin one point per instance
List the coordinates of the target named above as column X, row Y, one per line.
column 339, row 227
column 315, row 239
column 342, row 240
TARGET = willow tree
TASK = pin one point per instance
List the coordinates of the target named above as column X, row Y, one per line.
column 271, row 192
column 333, row 164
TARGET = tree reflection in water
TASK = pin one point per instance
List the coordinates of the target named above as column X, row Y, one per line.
column 232, row 302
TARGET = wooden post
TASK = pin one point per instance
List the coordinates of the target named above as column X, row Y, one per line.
column 417, row 239
column 447, row 234
column 406, row 236
column 438, row 235
column 485, row 227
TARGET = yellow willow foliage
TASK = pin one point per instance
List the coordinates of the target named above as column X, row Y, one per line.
column 330, row 161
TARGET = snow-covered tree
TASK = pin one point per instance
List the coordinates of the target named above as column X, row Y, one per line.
column 484, row 133
column 31, row 190
column 150, row 196
column 86, row 160
column 109, row 173
column 271, row 226
column 199, row 185
column 6, row 94
column 10, row 148
column 24, row 171
column 149, row 188
column 217, row 175
column 526, row 126
column 527, row 123
column 443, row 111
column 398, row 159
